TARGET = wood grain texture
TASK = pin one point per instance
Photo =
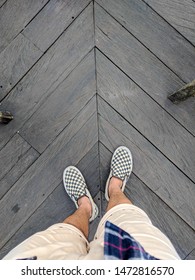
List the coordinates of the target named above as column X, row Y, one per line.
column 140, row 65
column 15, row 61
column 60, row 203
column 74, row 119
column 60, row 108
column 45, row 175
column 191, row 256
column 48, row 73
column 2, row 2
column 89, row 167
column 153, row 32
column 150, row 166
column 55, row 17
column 23, row 163
column 14, row 16
column 165, row 219
column 179, row 14
column 177, row 144
column 15, row 149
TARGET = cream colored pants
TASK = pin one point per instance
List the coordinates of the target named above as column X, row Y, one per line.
column 62, row 241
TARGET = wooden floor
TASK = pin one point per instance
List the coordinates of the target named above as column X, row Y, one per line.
column 81, row 78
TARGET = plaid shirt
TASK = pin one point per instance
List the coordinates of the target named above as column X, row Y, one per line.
column 119, row 245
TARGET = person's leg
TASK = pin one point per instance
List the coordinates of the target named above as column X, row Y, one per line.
column 80, row 218
column 76, row 188
column 116, row 196
column 130, row 218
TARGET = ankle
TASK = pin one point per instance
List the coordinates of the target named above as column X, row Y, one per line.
column 85, row 204
column 115, row 185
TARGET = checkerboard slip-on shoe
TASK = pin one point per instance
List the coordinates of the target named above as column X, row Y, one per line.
column 75, row 186
column 121, row 167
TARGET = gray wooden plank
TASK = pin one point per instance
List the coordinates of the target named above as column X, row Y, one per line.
column 23, row 163
column 58, row 206
column 165, row 219
column 150, row 166
column 176, row 143
column 89, row 166
column 48, row 73
column 153, row 31
column 2, row 2
column 45, row 174
column 139, row 64
column 15, row 61
column 14, row 16
column 62, row 106
column 55, row 17
column 191, row 256
column 11, row 153
column 179, row 14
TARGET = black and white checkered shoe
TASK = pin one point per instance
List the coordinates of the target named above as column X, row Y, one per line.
column 121, row 167
column 75, row 186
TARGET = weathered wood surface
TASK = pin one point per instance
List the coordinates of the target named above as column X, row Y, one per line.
column 2, row 2
column 45, row 175
column 150, row 166
column 153, row 31
column 15, row 157
column 179, row 14
column 146, row 115
column 191, row 256
column 60, row 108
column 14, row 16
column 60, row 203
column 54, row 18
column 15, row 61
column 71, row 108
column 11, row 153
column 165, row 219
column 48, row 73
column 139, row 64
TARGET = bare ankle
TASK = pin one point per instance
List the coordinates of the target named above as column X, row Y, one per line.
column 115, row 185
column 85, row 203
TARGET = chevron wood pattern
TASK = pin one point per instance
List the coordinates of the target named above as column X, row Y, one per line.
column 81, row 78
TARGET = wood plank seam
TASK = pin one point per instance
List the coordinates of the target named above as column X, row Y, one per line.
column 43, row 53
column 189, row 253
column 96, row 93
column 43, row 101
column 144, row 90
column 65, row 28
column 1, row 100
column 32, row 42
column 35, row 15
column 145, row 1
column 16, row 29
column 3, row 4
column 76, row 116
column 23, row 128
column 140, row 42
